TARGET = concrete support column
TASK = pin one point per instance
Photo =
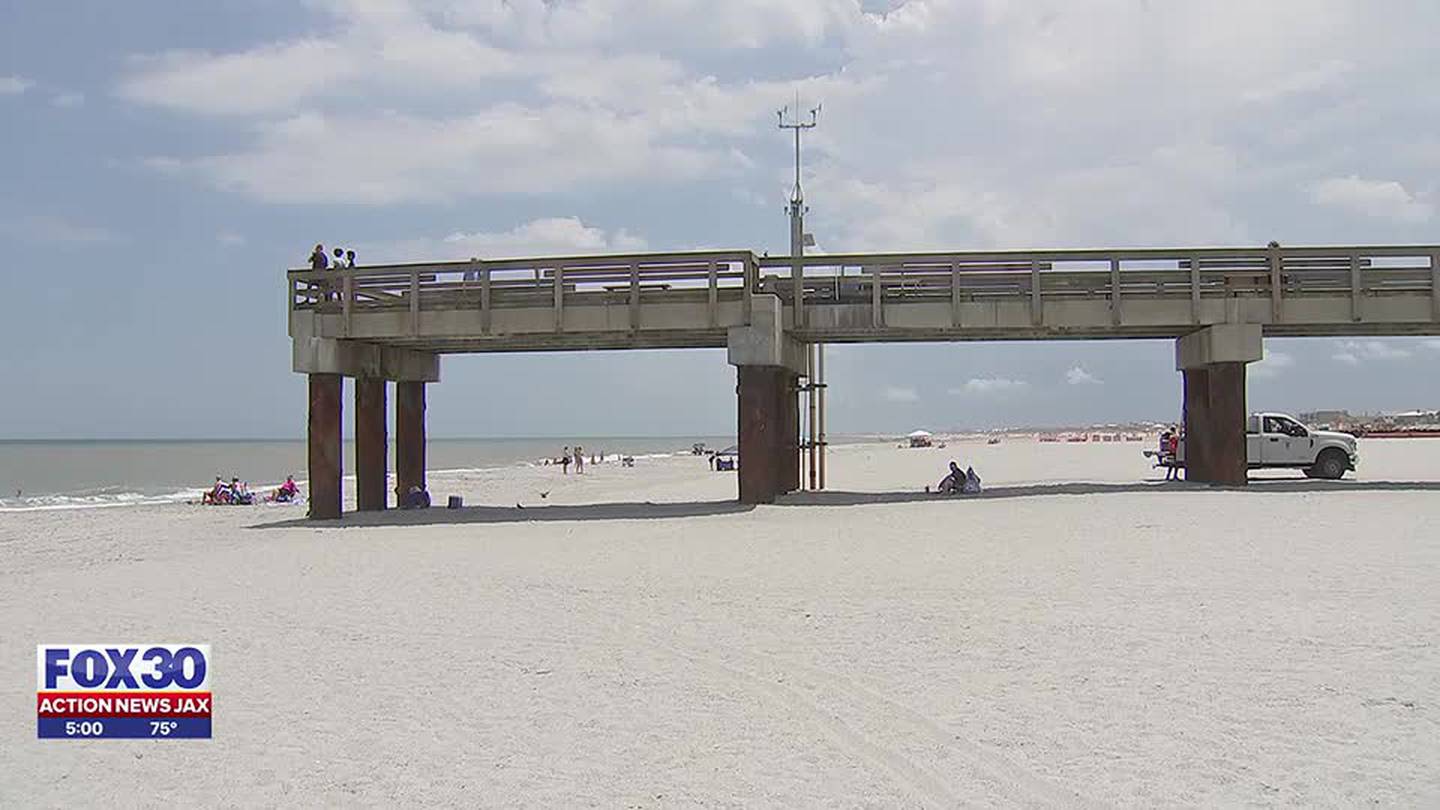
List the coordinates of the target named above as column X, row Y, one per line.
column 409, row 436
column 371, row 445
column 768, row 363
column 324, row 451
column 1225, row 454
column 1197, row 423
column 1213, row 362
column 762, row 422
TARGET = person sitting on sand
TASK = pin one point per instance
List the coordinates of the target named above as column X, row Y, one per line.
column 215, row 494
column 286, row 492
column 953, row 482
column 972, row 482
column 240, row 493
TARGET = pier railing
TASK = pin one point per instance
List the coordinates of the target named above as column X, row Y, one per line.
column 878, row 280
column 555, row 282
column 1039, row 277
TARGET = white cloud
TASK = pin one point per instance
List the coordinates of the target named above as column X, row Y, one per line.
column 67, row 100
column 14, row 85
column 313, row 158
column 1355, row 352
column 539, row 237
column 1381, row 199
column 895, row 394
column 1079, row 376
column 230, row 239
column 267, row 79
column 989, row 386
column 426, row 100
column 57, row 231
column 1271, row 365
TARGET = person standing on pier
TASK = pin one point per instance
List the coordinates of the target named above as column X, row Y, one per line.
column 350, row 259
column 319, row 262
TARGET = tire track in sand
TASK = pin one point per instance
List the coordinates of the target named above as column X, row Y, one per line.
column 992, row 766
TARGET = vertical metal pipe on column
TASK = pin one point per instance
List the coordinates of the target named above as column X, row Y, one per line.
column 820, row 373
column 810, row 432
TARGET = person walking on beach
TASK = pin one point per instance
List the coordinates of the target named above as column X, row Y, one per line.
column 565, row 460
column 579, row 460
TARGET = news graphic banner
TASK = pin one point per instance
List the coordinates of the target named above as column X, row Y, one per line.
column 123, row 691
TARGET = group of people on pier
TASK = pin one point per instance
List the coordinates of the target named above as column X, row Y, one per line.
column 343, row 259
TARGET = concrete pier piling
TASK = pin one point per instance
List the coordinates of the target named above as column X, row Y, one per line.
column 409, row 436
column 1213, row 362
column 371, row 445
column 324, row 451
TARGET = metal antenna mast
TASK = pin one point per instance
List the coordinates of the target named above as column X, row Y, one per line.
column 796, row 208
column 815, row 353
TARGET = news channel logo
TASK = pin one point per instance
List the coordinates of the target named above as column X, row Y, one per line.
column 123, row 691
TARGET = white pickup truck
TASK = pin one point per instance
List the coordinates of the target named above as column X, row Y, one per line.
column 1277, row 440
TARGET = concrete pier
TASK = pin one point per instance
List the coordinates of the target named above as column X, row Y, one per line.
column 324, row 451
column 392, row 323
column 1213, row 363
column 409, row 436
column 371, row 445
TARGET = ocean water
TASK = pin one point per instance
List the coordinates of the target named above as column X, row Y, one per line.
column 64, row 474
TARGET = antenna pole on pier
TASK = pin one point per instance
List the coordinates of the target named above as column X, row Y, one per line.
column 815, row 352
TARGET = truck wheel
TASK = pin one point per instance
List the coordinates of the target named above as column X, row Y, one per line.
column 1331, row 465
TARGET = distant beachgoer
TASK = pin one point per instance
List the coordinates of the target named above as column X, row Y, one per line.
column 1172, row 454
column 339, row 260
column 318, row 261
column 349, row 258
column 579, row 460
column 565, row 460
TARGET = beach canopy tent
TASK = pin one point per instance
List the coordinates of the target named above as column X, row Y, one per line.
column 732, row 450
column 919, row 438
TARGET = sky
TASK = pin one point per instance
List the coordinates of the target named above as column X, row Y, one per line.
column 163, row 164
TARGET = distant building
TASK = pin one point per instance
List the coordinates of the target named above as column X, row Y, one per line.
column 1332, row 418
column 1413, row 418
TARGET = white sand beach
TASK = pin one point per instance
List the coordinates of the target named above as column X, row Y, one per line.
column 1082, row 635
